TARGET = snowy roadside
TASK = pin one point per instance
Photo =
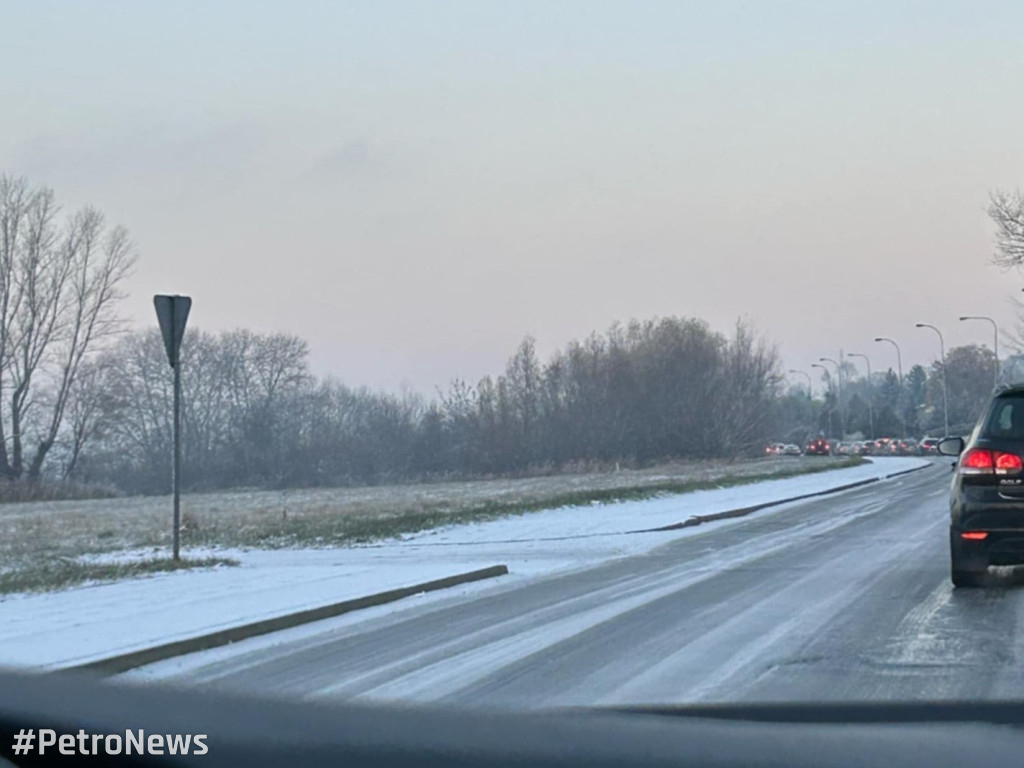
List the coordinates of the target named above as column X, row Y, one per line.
column 90, row 622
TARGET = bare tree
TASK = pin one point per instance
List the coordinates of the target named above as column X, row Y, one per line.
column 58, row 287
column 84, row 413
column 1006, row 209
column 241, row 413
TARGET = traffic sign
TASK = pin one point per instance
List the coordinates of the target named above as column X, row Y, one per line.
column 172, row 313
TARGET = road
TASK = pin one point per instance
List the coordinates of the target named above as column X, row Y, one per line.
column 845, row 597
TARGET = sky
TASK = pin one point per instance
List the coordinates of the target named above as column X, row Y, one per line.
column 413, row 187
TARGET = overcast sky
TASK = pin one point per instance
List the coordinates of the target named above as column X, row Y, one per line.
column 414, row 186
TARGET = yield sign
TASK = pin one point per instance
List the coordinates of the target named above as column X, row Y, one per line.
column 172, row 312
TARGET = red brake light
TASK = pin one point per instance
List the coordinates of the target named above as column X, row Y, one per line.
column 974, row 535
column 977, row 461
column 980, row 461
column 1008, row 462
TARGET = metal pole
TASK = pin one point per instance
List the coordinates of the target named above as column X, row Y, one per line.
column 177, row 458
column 899, row 369
column 899, row 358
column 995, row 342
column 172, row 314
column 839, row 394
column 995, row 349
column 828, row 377
column 871, row 410
column 942, row 351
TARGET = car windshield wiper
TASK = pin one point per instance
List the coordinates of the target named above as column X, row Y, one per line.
column 997, row 712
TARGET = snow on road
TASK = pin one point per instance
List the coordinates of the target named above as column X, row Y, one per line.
column 89, row 622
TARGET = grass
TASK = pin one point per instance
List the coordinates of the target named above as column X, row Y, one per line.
column 13, row 492
column 341, row 530
column 59, row 573
column 43, row 544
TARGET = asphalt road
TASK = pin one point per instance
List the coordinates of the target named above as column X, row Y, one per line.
column 839, row 598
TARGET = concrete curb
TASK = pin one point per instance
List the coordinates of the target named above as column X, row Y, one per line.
column 744, row 511
column 125, row 661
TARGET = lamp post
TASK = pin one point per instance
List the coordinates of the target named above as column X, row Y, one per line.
column 995, row 340
column 810, row 393
column 871, row 409
column 899, row 357
column 942, row 350
column 839, row 394
column 828, row 376
column 899, row 371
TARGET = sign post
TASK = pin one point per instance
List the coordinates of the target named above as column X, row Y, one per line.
column 172, row 314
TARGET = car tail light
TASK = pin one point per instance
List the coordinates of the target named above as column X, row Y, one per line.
column 974, row 535
column 977, row 461
column 1007, row 463
column 980, row 461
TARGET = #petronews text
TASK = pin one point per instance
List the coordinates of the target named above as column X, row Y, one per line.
column 134, row 742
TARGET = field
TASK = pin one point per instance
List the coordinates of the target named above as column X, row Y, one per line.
column 52, row 544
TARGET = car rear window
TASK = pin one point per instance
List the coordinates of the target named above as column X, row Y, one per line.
column 1006, row 419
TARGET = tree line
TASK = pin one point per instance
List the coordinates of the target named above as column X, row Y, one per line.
column 254, row 416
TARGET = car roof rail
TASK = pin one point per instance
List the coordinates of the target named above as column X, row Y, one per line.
column 1017, row 386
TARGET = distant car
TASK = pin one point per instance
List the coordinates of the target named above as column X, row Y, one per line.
column 986, row 497
column 845, row 449
column 791, row 450
column 929, row 444
column 865, row 448
column 817, row 447
column 774, row 449
column 905, row 447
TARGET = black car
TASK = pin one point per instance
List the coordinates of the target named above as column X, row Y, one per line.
column 987, row 493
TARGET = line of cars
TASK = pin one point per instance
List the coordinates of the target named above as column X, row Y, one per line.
column 883, row 446
column 888, row 446
column 782, row 449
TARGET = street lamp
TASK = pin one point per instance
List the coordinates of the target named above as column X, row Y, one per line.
column 810, row 393
column 899, row 371
column 839, row 394
column 899, row 357
column 942, row 350
column 995, row 340
column 828, row 376
column 871, row 410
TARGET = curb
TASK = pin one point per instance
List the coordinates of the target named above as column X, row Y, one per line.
column 123, row 662
column 744, row 511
